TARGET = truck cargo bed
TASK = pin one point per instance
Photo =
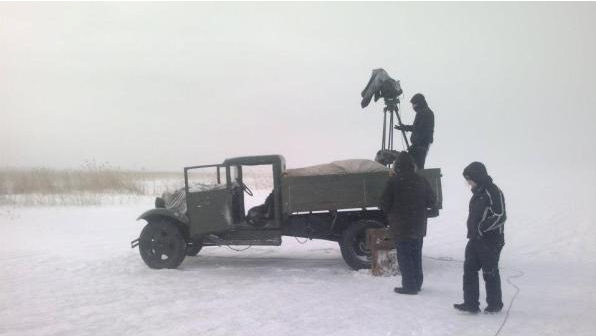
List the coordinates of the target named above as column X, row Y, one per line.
column 342, row 191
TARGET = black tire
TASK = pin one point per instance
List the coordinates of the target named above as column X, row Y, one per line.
column 193, row 248
column 162, row 245
column 353, row 244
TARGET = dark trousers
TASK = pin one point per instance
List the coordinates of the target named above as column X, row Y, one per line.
column 418, row 153
column 482, row 254
column 409, row 258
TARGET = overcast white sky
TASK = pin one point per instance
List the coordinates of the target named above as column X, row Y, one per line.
column 164, row 85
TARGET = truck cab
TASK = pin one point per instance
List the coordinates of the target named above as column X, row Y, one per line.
column 221, row 209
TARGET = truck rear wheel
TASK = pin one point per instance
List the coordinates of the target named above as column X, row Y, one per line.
column 162, row 245
column 193, row 248
column 353, row 245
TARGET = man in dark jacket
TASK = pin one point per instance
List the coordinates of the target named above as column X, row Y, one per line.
column 422, row 130
column 405, row 201
column 486, row 227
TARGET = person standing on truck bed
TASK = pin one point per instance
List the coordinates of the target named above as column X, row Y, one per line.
column 486, row 238
column 422, row 130
column 405, row 201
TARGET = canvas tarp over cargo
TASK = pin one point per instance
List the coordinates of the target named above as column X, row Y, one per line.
column 355, row 166
column 347, row 184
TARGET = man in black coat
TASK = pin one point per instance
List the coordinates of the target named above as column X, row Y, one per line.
column 405, row 201
column 422, row 130
column 486, row 227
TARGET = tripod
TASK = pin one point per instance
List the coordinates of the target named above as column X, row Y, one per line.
column 391, row 107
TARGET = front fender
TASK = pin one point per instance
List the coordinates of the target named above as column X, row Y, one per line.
column 161, row 212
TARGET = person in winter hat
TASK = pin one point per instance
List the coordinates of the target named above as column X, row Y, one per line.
column 405, row 201
column 422, row 130
column 486, row 238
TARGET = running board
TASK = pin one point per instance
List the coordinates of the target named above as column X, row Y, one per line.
column 264, row 238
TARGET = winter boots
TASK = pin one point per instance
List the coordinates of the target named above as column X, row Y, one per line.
column 401, row 290
column 466, row 308
column 493, row 309
column 474, row 309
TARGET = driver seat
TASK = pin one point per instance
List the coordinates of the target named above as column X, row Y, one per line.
column 258, row 215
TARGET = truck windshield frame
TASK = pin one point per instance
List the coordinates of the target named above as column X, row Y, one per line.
column 217, row 172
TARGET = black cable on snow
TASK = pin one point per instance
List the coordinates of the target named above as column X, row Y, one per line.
column 238, row 250
column 517, row 290
column 301, row 242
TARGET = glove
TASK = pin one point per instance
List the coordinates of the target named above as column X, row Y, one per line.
column 400, row 127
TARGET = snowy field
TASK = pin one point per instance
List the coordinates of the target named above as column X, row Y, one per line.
column 70, row 271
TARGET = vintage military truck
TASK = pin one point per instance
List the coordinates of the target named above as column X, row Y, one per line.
column 336, row 202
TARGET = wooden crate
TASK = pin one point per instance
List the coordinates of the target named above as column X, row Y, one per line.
column 383, row 253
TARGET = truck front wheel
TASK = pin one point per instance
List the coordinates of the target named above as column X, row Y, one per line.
column 353, row 245
column 162, row 245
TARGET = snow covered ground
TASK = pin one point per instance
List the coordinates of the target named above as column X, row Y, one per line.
column 70, row 271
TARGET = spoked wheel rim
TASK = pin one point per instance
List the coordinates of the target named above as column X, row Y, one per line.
column 360, row 247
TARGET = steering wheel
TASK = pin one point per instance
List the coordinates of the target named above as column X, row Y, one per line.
column 245, row 188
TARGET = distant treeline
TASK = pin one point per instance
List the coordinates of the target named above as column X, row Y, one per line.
column 86, row 185
column 54, row 181
column 91, row 178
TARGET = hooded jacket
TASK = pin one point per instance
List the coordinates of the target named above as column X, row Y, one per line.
column 405, row 200
column 487, row 212
column 423, row 128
